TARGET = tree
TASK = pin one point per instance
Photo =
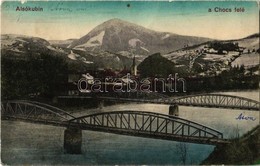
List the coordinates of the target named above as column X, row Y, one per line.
column 156, row 66
column 221, row 46
column 43, row 74
column 53, row 72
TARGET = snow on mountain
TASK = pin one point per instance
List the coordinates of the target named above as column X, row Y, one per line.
column 135, row 42
column 9, row 40
column 61, row 43
column 166, row 36
column 204, row 59
column 14, row 40
column 94, row 41
column 88, row 62
column 247, row 60
column 251, row 43
column 20, row 45
column 250, row 56
column 73, row 56
column 77, row 57
column 114, row 43
column 145, row 49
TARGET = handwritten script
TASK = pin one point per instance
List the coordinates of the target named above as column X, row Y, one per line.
column 244, row 117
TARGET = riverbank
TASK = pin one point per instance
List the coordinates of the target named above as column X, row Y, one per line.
column 244, row 150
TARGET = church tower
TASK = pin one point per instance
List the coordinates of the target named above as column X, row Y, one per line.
column 134, row 67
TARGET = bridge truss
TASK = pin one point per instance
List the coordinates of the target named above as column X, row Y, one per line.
column 34, row 112
column 200, row 100
column 148, row 124
column 135, row 123
column 217, row 101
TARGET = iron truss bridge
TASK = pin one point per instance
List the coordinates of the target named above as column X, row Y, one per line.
column 134, row 123
column 35, row 112
column 200, row 100
column 151, row 125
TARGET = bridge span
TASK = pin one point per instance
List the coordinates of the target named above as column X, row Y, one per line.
column 34, row 112
column 199, row 100
column 134, row 123
column 149, row 124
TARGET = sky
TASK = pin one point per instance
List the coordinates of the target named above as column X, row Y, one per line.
column 62, row 20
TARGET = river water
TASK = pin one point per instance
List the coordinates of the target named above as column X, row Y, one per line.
column 25, row 143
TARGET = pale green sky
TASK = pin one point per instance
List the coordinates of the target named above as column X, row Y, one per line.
column 64, row 20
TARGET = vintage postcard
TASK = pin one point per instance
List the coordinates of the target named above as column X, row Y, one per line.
column 130, row 83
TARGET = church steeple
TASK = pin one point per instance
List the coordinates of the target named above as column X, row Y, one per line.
column 134, row 67
column 134, row 61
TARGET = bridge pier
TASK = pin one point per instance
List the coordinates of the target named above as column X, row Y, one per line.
column 174, row 110
column 72, row 141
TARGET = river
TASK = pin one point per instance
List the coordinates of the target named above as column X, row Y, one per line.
column 25, row 143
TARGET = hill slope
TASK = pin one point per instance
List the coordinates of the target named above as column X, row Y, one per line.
column 242, row 151
column 213, row 57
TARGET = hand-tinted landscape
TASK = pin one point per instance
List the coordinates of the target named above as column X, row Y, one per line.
column 44, row 54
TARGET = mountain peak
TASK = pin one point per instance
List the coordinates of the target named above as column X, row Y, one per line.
column 116, row 22
column 116, row 35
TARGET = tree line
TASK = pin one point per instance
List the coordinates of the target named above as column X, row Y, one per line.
column 34, row 75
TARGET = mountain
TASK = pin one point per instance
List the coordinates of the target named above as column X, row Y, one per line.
column 23, row 45
column 20, row 47
column 117, row 36
column 203, row 59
